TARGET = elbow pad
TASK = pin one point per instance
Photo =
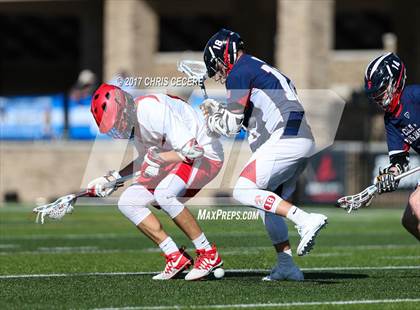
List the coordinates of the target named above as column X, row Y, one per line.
column 190, row 151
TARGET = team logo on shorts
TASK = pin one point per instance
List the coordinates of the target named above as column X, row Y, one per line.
column 269, row 202
column 259, row 201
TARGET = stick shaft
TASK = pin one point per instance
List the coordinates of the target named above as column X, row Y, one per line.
column 203, row 88
column 407, row 173
column 121, row 180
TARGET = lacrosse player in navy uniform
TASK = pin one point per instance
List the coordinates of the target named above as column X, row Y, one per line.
column 264, row 102
column 385, row 86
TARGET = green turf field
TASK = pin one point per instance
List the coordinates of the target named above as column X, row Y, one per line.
column 95, row 258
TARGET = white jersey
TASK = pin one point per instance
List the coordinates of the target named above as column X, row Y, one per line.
column 169, row 123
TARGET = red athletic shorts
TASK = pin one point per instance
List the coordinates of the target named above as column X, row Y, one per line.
column 195, row 175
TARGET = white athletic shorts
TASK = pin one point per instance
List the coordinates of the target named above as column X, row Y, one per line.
column 277, row 164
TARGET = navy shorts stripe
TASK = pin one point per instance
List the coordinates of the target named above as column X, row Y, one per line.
column 293, row 123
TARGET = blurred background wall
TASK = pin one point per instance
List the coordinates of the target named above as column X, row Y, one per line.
column 54, row 53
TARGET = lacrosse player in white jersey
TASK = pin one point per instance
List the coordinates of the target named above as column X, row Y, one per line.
column 264, row 102
column 176, row 158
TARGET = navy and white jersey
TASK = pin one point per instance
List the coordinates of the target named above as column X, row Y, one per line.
column 268, row 99
column 403, row 127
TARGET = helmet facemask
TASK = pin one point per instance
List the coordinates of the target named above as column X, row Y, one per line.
column 216, row 68
column 124, row 123
column 221, row 72
column 382, row 97
column 386, row 95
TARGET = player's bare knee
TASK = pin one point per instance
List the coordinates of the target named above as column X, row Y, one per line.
column 406, row 221
column 168, row 202
column 414, row 203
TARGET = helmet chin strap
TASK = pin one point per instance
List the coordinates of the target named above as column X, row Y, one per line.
column 394, row 105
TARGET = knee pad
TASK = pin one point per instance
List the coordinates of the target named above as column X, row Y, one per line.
column 168, row 202
column 242, row 186
column 135, row 211
column 248, row 194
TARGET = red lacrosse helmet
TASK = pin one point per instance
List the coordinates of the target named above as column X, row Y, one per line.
column 113, row 110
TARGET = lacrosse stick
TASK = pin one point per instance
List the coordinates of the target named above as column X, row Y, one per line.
column 364, row 198
column 195, row 70
column 64, row 205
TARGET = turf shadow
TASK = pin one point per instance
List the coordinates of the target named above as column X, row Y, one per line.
column 334, row 275
column 329, row 277
column 251, row 274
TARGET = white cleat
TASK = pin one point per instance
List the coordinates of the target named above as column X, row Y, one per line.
column 308, row 232
column 283, row 272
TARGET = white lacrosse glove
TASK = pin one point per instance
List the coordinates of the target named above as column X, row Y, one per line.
column 96, row 187
column 152, row 162
column 385, row 181
column 209, row 107
column 191, row 151
column 224, row 122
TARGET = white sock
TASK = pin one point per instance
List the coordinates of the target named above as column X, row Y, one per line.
column 296, row 215
column 168, row 246
column 201, row 242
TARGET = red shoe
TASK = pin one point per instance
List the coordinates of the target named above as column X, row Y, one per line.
column 176, row 262
column 205, row 263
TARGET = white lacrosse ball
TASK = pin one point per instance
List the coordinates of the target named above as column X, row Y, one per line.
column 219, row 273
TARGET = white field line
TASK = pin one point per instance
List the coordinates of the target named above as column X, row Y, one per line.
column 4, row 251
column 118, row 236
column 9, row 246
column 95, row 249
column 402, row 257
column 245, row 271
column 59, row 236
column 274, row 305
column 78, row 250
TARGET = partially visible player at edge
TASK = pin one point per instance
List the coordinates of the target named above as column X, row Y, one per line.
column 385, row 86
column 176, row 159
column 264, row 102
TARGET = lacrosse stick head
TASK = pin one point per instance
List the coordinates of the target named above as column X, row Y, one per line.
column 55, row 210
column 354, row 202
column 194, row 69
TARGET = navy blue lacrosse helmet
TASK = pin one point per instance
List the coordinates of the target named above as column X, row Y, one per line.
column 384, row 81
column 222, row 49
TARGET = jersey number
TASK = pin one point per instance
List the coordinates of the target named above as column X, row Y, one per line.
column 288, row 89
